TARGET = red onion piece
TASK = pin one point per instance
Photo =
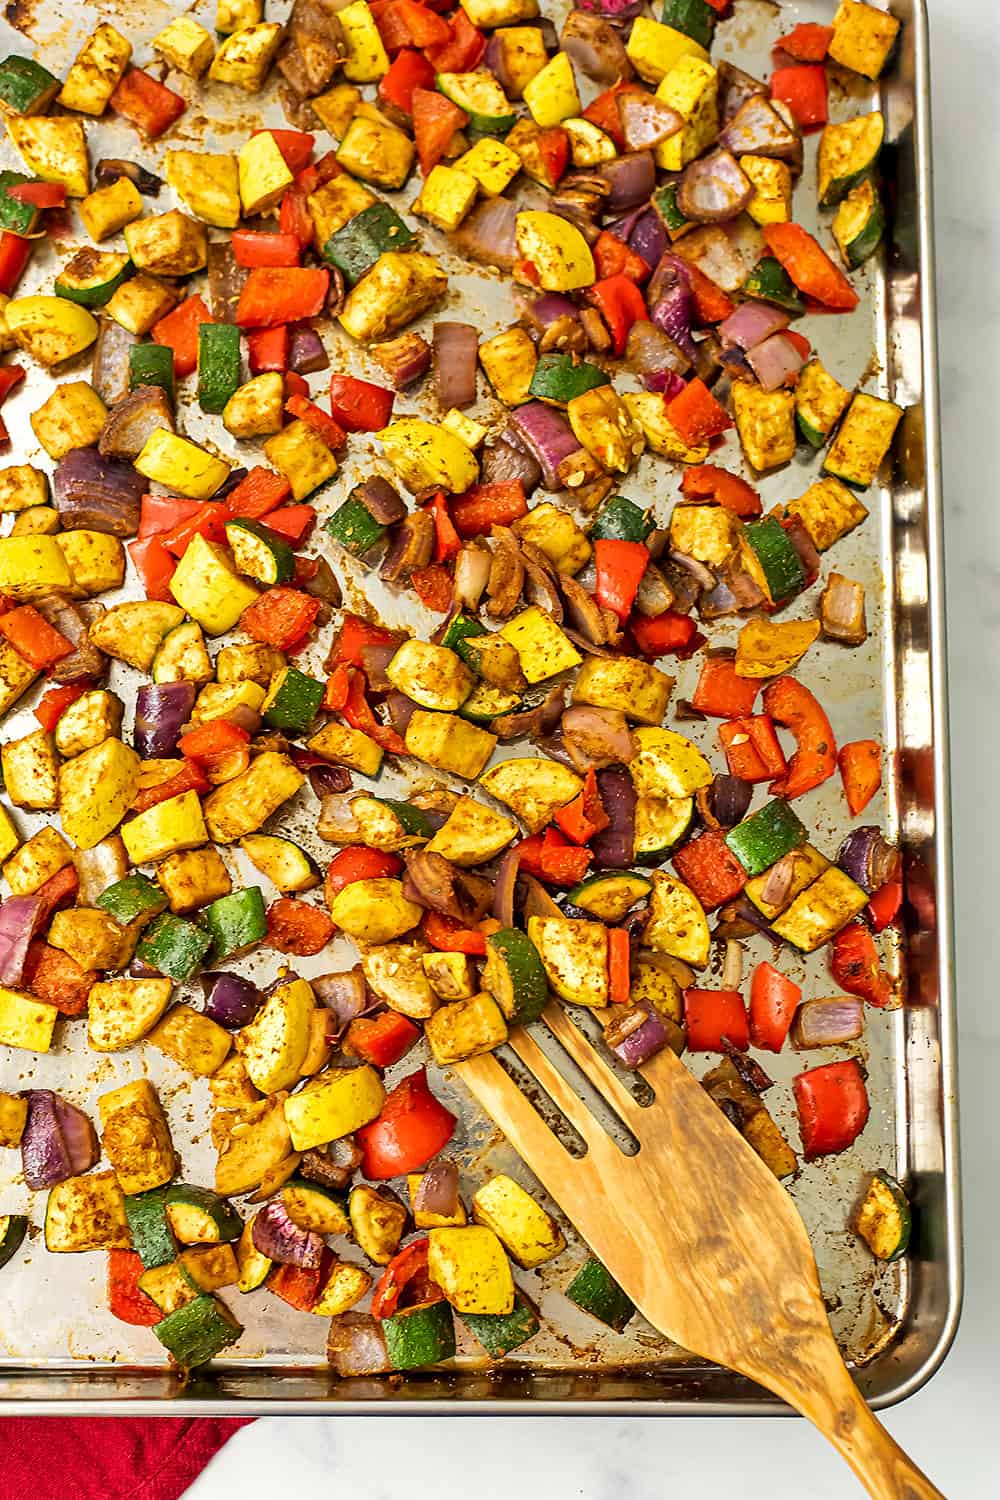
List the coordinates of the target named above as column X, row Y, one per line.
column 702, row 575
column 597, row 737
column 541, row 312
column 752, row 323
column 375, row 659
column 58, row 1141
column 648, row 237
column 710, row 248
column 506, row 461
column 713, row 189
column 132, row 421
column 72, row 620
column 472, row 573
column 595, row 48
column 19, row 917
column 779, row 882
column 842, row 610
column 345, row 995
column 456, row 354
column 613, row 10
column 671, row 302
column 161, row 711
column 504, row 887
column 547, row 436
column 401, row 710
column 868, row 858
column 97, row 493
column 828, row 1023
column 405, row 360
column 654, row 355
column 637, row 1036
column 735, row 88
column 489, row 234
column 230, row 1000
column 356, row 1345
column 381, row 500
column 775, row 362
column 730, row 798
column 97, row 868
column 614, row 847
column 110, row 371
column 411, row 546
column 276, row 1236
column 646, row 120
column 306, row 350
column 631, row 180
column 437, row 1192
column 757, row 129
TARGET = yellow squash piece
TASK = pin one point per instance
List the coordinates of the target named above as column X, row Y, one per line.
column 543, row 649
column 186, row 46
column 25, row 1022
column 54, row 148
column 447, row 196
column 240, row 806
column 136, row 1137
column 374, row 911
column 551, row 95
column 50, row 329
column 425, row 456
column 557, row 250
column 166, row 827
column 471, row 1268
column 692, row 89
column 525, row 1229
column 181, row 465
column 509, row 359
column 399, row 287
column 333, row 1105
column 677, row 923
column 765, row 421
column 207, row 586
column 648, row 409
column 121, row 1011
column 245, row 57
column 72, row 417
column 108, row 209
column 208, row 183
column 654, row 48
column 275, row 1043
column 764, row 648
column 96, row 790
column 633, row 687
column 863, row 37
column 263, row 173
column 31, row 566
column 534, row 789
column 96, row 71
column 366, row 59
column 170, row 244
column 300, row 454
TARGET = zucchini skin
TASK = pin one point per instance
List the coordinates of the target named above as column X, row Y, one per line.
column 420, row 1336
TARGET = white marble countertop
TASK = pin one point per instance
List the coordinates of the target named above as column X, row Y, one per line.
column 948, row 1427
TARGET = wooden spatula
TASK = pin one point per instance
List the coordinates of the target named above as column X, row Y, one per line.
column 699, row 1233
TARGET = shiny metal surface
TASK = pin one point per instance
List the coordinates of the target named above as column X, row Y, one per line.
column 59, row 1350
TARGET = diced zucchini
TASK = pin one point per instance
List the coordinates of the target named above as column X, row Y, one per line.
column 596, row 1291
column 473, row 834
column 848, row 151
column 344, row 1287
column 26, row 88
column 883, row 1220
column 396, row 973
column 419, row 1336
column 310, row 1205
column 807, row 865
column 660, row 825
column 819, row 912
column 254, row 1268
column 152, row 1238
column 209, row 1267
column 574, row 955
column 197, row 1216
column 465, row 1028
column 667, row 765
column 514, row 975
column 167, row 1286
column 286, row 865
column 765, row 421
column 432, row 676
column 378, row 1223
column 820, row 402
column 121, row 1011
column 609, row 897
column 863, row 438
column 766, row 836
column 449, row 743
column 196, row 1333
column 858, row 225
column 501, row 1333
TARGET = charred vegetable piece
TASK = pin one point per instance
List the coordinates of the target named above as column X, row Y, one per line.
column 883, row 1219
column 597, row 1292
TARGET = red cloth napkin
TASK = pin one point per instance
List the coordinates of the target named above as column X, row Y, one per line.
column 107, row 1458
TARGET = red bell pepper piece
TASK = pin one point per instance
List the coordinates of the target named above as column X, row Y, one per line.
column 807, row 42
column 155, row 567
column 620, row 568
column 412, row 1128
column 56, row 701
column 179, row 331
column 260, row 492
column 752, row 749
column 353, row 634
column 338, row 688
column 267, row 349
column 433, row 586
column 358, row 863
column 714, row 1016
column 799, row 342
column 721, row 6
column 708, row 482
column 404, row 1274
column 10, row 376
column 463, row 51
column 314, row 416
column 360, row 405
column 619, row 966
column 190, row 778
column 605, row 114
column 423, row 28
column 295, row 385
column 296, row 146
column 380, row 1040
column 710, row 868
column 15, row 252
column 585, row 815
column 488, row 505
column 447, row 542
column 38, row 194
column 620, row 303
column 774, row 1000
column 655, row 635
column 809, row 266
column 209, row 521
column 883, row 904
column 299, row 1286
column 449, row 935
column 294, row 216
column 253, row 248
column 612, row 257
column 552, row 858
column 720, row 693
column 711, row 303
column 803, row 88
column 297, row 927
column 435, row 120
column 860, row 764
column 161, row 513
column 696, row 415
column 358, row 713
column 282, row 617
column 146, row 103
column 293, row 522
column 61, row 889
column 312, row 177
column 281, row 294
column 409, row 70
column 815, row 756
column 33, row 638
column 206, row 742
column 125, row 1299
column 832, row 1102
column 54, row 977
column 855, row 967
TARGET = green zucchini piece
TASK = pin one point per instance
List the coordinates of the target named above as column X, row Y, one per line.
column 181, row 655
column 13, row 1228
column 820, row 402
column 515, row 975
column 609, row 897
column 259, row 552
column 660, row 825
column 595, row 1290
column 761, row 840
column 354, row 527
column 770, row 282
column 665, row 203
column 293, row 700
column 779, row 561
column 26, row 88
column 620, row 519
column 482, row 98
column 198, row 1332
column 311, row 1205
column 236, row 922
column 859, row 224
column 694, row 18
column 460, row 630
column 486, row 702
column 284, row 863
column 198, row 1216
column 848, row 151
column 92, row 277
column 18, row 218
column 419, row 1336
column 206, row 1268
column 132, row 898
column 167, row 1286
column 152, row 1239
column 355, row 248
column 863, row 439
column 558, row 378
column 152, row 364
column 173, row 946
column 218, row 365
column 883, row 1221
column 500, row 1333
